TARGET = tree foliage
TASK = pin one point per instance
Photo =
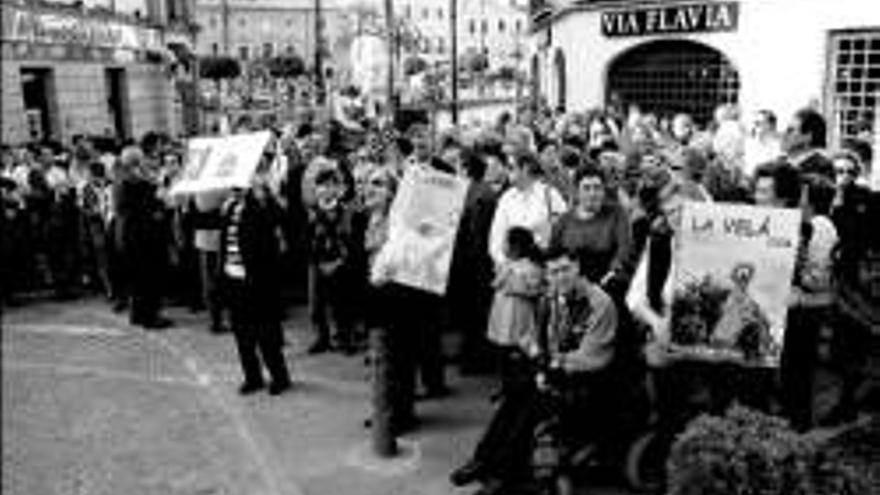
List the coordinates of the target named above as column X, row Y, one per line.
column 748, row 452
column 414, row 65
column 286, row 66
column 476, row 62
column 219, row 67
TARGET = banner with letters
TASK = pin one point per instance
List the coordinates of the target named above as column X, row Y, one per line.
column 422, row 226
column 733, row 267
column 214, row 163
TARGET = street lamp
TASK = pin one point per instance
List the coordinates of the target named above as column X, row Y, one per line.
column 453, row 16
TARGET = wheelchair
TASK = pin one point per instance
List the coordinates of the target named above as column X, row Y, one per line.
column 636, row 408
column 589, row 425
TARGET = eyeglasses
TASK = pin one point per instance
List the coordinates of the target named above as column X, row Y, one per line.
column 847, row 171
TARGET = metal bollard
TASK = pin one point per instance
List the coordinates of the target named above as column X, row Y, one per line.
column 384, row 440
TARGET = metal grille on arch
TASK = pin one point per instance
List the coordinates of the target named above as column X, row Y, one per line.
column 674, row 76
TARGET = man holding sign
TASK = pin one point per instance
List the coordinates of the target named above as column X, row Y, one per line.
column 413, row 269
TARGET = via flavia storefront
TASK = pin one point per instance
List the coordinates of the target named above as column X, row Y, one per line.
column 685, row 18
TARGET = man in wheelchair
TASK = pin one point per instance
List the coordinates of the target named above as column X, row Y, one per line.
column 559, row 386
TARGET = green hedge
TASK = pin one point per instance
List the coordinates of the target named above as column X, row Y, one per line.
column 750, row 453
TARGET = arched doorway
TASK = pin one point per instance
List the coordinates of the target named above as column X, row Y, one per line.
column 668, row 76
column 559, row 66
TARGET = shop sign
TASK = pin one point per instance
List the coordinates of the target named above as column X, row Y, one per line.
column 688, row 18
column 60, row 29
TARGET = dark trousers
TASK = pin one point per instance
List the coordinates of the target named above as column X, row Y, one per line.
column 418, row 316
column 64, row 251
column 146, row 287
column 330, row 296
column 209, row 271
column 257, row 331
column 505, row 448
column 471, row 313
column 799, row 360
column 410, row 317
column 95, row 253
column 852, row 346
column 117, row 265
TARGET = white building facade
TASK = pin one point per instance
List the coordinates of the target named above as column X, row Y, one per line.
column 253, row 29
column 97, row 67
column 498, row 28
column 691, row 56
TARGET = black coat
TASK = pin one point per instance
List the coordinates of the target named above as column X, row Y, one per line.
column 140, row 226
column 471, row 270
column 260, row 249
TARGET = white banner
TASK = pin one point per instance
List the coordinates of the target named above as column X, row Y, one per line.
column 214, row 163
column 423, row 223
column 369, row 62
column 733, row 269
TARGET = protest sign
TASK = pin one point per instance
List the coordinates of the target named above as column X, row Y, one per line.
column 733, row 267
column 422, row 226
column 214, row 163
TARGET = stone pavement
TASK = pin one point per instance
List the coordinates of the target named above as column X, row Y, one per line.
column 94, row 406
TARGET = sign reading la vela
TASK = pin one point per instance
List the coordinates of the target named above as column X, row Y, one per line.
column 686, row 18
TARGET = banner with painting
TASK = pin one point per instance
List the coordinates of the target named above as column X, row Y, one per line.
column 422, row 226
column 215, row 163
column 733, row 268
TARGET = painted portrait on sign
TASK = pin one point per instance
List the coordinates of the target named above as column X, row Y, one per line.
column 733, row 269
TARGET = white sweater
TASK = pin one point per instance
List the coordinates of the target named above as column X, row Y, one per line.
column 532, row 208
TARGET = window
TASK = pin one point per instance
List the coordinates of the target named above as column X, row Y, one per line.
column 472, row 26
column 440, row 13
column 425, row 13
column 484, row 26
column 441, row 45
column 243, row 52
column 290, row 22
column 853, row 82
column 172, row 10
column 212, row 22
column 407, row 11
column 501, row 25
column 242, row 22
column 215, row 49
column 268, row 50
column 518, row 25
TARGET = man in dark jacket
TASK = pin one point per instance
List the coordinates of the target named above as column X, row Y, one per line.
column 141, row 234
column 250, row 254
column 471, row 272
column 804, row 143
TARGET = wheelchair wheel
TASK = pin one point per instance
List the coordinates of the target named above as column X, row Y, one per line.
column 645, row 466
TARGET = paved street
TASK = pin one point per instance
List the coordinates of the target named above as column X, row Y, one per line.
column 94, row 406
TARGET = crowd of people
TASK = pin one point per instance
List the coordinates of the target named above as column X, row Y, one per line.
column 567, row 224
